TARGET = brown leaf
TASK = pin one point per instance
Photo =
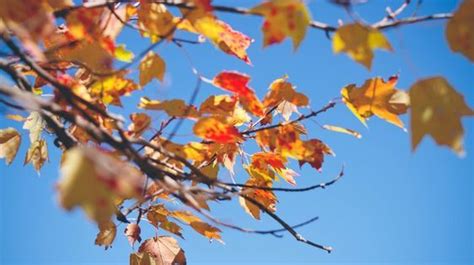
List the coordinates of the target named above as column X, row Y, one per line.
column 106, row 235
column 132, row 231
column 165, row 250
column 10, row 141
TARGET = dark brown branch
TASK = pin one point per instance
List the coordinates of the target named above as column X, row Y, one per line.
column 301, row 118
column 317, row 186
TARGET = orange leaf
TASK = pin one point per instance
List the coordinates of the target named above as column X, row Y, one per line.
column 213, row 129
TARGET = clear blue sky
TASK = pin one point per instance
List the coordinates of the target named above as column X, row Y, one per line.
column 393, row 206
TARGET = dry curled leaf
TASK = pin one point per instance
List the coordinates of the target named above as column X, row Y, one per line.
column 132, row 231
column 106, row 235
column 10, row 141
column 164, row 250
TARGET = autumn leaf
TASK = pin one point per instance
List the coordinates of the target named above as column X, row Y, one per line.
column 35, row 124
column 111, row 88
column 106, row 235
column 30, row 21
column 96, row 181
column 224, row 37
column 207, row 230
column 283, row 95
column 313, row 152
column 237, row 83
column 265, row 197
column 155, row 21
column 174, row 107
column 37, row 154
column 142, row 259
column 140, row 123
column 342, row 130
column 164, row 250
column 437, row 109
column 132, row 231
column 151, row 66
column 263, row 161
column 459, row 30
column 218, row 105
column 10, row 141
column 359, row 42
column 376, row 97
column 283, row 18
column 213, row 129
column 122, row 54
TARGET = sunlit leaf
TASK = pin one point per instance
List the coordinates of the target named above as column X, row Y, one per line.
column 37, row 154
column 376, row 97
column 283, row 18
column 106, row 235
column 359, row 42
column 151, row 66
column 174, row 107
column 164, row 250
column 213, row 129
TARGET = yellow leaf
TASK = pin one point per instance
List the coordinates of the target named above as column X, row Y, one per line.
column 224, row 37
column 106, row 235
column 376, row 97
column 460, row 30
column 283, row 18
column 97, row 181
column 207, row 230
column 16, row 117
column 155, row 21
column 37, row 154
column 174, row 107
column 437, row 109
column 282, row 90
column 265, row 197
column 151, row 66
column 111, row 88
column 213, row 129
column 10, row 141
column 359, row 42
column 218, row 105
column 122, row 54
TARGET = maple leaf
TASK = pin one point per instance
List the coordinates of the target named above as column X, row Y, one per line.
column 151, row 66
column 376, row 97
column 437, row 109
column 164, row 250
column 262, row 161
column 283, row 18
column 459, row 30
column 283, row 94
column 96, row 181
column 111, row 88
column 224, row 37
column 359, row 41
column 213, row 129
column 312, row 152
column 155, row 21
column 132, row 231
column 174, row 107
column 218, row 105
column 140, row 123
column 237, row 83
column 37, row 154
column 265, row 197
column 106, row 235
column 207, row 230
column 10, row 141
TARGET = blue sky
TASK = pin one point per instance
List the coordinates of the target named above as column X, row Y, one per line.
column 393, row 206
